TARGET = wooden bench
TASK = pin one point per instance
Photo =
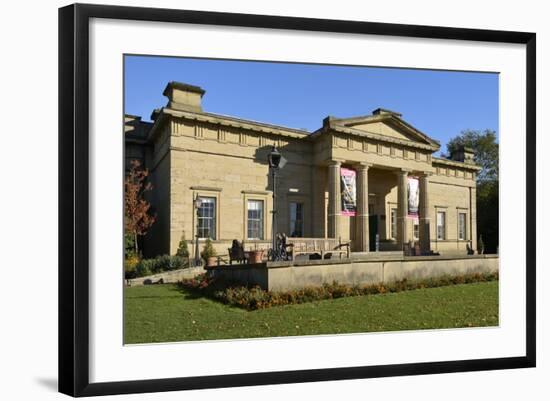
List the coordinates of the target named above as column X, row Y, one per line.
column 236, row 253
column 239, row 251
column 321, row 246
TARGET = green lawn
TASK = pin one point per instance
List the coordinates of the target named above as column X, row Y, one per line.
column 164, row 313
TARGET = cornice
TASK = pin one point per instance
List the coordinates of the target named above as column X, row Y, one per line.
column 453, row 163
column 232, row 122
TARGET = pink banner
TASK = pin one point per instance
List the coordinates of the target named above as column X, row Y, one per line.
column 413, row 196
column 348, row 191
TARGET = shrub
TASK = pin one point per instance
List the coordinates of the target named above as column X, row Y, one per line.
column 130, row 264
column 208, row 250
column 252, row 298
column 183, row 249
column 178, row 262
column 160, row 264
column 129, row 245
column 142, row 269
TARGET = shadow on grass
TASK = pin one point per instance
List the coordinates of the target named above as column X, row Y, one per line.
column 190, row 293
column 209, row 292
column 160, row 296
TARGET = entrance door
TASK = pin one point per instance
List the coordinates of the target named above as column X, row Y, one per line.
column 373, row 230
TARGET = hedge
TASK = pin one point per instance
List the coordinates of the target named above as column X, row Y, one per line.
column 146, row 267
column 252, row 298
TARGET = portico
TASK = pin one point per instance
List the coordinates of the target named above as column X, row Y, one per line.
column 404, row 223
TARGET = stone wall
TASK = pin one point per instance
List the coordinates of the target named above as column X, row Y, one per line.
column 280, row 276
column 157, row 238
column 233, row 173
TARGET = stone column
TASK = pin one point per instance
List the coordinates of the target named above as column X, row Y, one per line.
column 362, row 213
column 473, row 218
column 424, row 213
column 334, row 199
column 402, row 202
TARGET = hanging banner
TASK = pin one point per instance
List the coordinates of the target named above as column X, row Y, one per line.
column 413, row 196
column 347, row 188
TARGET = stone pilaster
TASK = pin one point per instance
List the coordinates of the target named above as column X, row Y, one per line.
column 424, row 213
column 362, row 212
column 334, row 199
column 402, row 212
column 473, row 218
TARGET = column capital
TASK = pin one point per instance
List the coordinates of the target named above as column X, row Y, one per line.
column 425, row 174
column 403, row 171
column 362, row 165
column 335, row 162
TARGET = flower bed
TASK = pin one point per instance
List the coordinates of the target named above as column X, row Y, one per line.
column 252, row 298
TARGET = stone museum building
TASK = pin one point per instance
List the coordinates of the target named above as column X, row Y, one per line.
column 223, row 161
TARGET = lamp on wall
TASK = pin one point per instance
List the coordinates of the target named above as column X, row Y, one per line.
column 274, row 158
column 276, row 161
column 197, row 202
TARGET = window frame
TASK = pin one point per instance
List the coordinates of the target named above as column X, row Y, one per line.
column 261, row 219
column 444, row 225
column 206, row 192
column 462, row 212
column 213, row 219
column 393, row 222
column 265, row 197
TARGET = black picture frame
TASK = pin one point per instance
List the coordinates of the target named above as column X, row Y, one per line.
column 74, row 198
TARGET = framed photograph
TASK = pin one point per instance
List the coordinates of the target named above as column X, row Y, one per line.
column 253, row 199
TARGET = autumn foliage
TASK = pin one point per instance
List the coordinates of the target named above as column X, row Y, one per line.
column 137, row 216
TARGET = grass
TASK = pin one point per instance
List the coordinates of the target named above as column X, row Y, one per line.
column 165, row 313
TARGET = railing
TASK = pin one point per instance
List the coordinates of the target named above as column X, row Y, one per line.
column 253, row 245
column 321, row 246
column 294, row 246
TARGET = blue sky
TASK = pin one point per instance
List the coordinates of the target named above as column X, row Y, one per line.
column 439, row 103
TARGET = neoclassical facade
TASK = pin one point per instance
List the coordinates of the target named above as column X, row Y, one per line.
column 222, row 160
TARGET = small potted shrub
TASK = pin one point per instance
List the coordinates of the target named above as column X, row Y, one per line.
column 256, row 256
column 209, row 253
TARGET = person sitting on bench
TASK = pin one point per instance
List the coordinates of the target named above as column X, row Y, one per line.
column 236, row 252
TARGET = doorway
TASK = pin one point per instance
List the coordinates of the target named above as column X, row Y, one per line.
column 373, row 230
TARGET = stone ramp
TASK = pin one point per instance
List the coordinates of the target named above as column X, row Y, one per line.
column 171, row 276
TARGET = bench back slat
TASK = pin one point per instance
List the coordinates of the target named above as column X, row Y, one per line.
column 313, row 244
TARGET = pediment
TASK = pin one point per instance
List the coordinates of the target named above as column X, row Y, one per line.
column 385, row 129
column 389, row 126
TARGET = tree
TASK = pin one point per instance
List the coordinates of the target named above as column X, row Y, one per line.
column 485, row 146
column 137, row 217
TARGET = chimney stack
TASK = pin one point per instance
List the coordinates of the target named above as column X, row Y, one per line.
column 463, row 154
column 385, row 112
column 183, row 96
